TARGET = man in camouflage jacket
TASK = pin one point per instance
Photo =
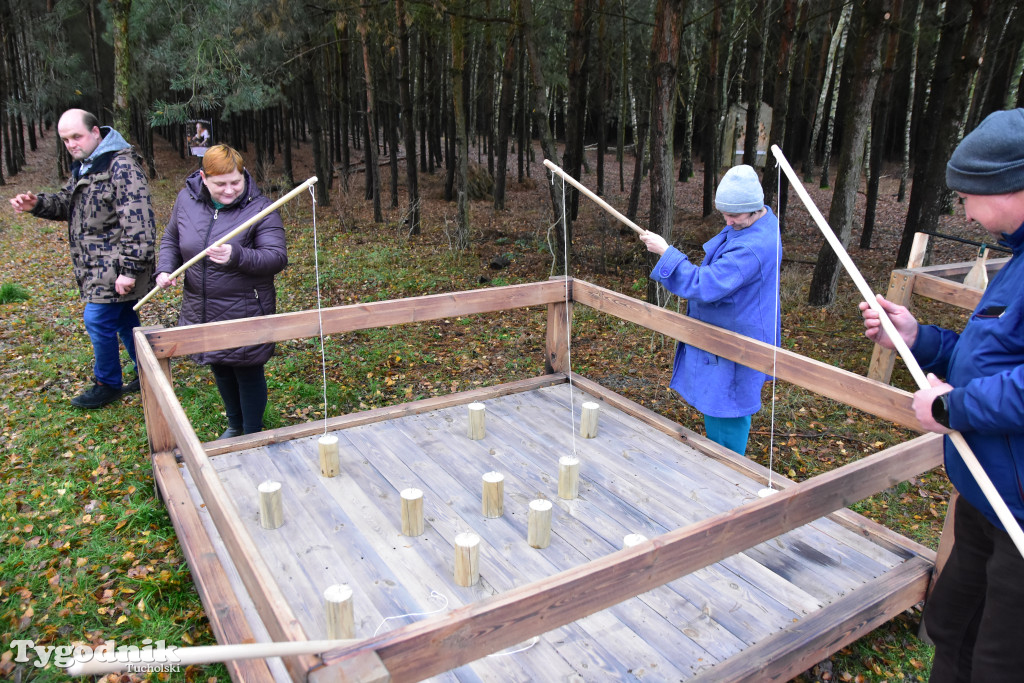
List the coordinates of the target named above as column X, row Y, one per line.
column 111, row 233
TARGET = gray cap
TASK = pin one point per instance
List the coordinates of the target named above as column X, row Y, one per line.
column 990, row 159
column 740, row 191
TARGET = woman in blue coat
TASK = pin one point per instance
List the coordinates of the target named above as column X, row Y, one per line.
column 736, row 288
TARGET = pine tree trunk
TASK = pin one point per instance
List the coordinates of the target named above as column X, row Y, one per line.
column 505, row 112
column 539, row 110
column 370, row 153
column 408, row 122
column 664, row 56
column 829, row 84
column 712, row 131
column 873, row 26
column 121, row 11
column 780, row 101
column 957, row 60
column 461, row 142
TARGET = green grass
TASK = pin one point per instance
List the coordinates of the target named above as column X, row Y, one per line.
column 11, row 292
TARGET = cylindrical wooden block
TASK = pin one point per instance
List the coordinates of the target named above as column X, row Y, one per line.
column 271, row 505
column 630, row 540
column 412, row 512
column 467, row 559
column 477, row 430
column 568, row 477
column 494, row 494
column 538, row 531
column 340, row 615
column 588, row 420
column 329, row 462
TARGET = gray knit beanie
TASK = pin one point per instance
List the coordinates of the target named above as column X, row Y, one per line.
column 990, row 159
column 740, row 191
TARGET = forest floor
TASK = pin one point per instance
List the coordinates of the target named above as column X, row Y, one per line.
column 87, row 552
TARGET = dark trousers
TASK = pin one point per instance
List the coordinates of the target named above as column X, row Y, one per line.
column 244, row 392
column 974, row 612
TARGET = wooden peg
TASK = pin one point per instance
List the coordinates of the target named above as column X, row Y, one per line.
column 477, row 429
column 588, row 420
column 271, row 505
column 340, row 615
column 568, row 477
column 538, row 530
column 329, row 461
column 630, row 540
column 494, row 494
column 467, row 559
column 412, row 512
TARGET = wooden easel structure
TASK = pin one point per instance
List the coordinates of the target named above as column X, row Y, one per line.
column 959, row 284
column 438, row 644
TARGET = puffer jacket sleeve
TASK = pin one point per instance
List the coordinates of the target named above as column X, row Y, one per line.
column 734, row 268
column 135, row 216
column 933, row 348
column 55, row 206
column 170, row 258
column 265, row 253
column 990, row 405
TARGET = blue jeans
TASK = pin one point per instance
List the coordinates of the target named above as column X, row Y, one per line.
column 731, row 432
column 105, row 323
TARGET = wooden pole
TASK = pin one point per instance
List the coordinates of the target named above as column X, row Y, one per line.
column 330, row 463
column 600, row 202
column 340, row 613
column 113, row 661
column 494, row 494
column 476, row 430
column 244, row 226
column 588, row 420
column 271, row 506
column 467, row 559
column 981, row 477
column 412, row 512
column 538, row 528
column 568, row 477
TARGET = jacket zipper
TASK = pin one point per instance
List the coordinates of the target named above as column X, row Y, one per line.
column 206, row 241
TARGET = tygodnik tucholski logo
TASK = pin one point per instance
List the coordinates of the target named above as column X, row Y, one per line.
column 150, row 657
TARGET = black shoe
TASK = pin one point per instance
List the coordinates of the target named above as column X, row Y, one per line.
column 97, row 396
column 131, row 388
column 230, row 433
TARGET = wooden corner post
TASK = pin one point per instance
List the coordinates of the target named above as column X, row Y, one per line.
column 556, row 357
column 901, row 291
column 160, row 437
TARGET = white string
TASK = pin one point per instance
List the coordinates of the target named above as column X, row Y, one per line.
column 776, row 324
column 433, row 594
column 568, row 321
column 533, row 641
column 319, row 315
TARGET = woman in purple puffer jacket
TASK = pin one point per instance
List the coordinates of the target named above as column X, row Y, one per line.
column 236, row 280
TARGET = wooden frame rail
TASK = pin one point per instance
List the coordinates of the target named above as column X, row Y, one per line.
column 438, row 644
column 942, row 283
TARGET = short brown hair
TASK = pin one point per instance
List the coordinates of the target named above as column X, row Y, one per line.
column 221, row 160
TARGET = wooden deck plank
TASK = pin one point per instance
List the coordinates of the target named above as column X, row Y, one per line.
column 646, row 452
column 853, row 549
column 480, row 457
column 595, row 528
column 499, row 569
column 223, row 609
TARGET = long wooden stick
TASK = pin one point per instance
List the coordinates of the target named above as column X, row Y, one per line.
column 252, row 221
column 995, row 500
column 120, row 659
column 600, row 202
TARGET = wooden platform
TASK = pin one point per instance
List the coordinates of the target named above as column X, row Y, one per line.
column 730, row 587
column 634, row 479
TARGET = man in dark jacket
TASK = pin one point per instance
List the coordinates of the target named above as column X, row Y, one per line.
column 973, row 612
column 111, row 232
